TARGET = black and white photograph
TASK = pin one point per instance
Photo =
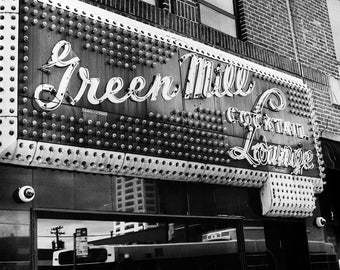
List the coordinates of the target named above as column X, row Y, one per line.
column 169, row 134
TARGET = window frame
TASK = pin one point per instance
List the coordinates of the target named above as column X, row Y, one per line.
column 45, row 213
column 219, row 10
column 234, row 16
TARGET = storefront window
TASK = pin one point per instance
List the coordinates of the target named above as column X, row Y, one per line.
column 124, row 244
column 219, row 15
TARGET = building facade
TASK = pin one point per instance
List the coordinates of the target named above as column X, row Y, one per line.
column 179, row 133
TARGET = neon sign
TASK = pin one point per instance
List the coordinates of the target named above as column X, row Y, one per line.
column 199, row 82
column 261, row 153
column 115, row 85
column 204, row 79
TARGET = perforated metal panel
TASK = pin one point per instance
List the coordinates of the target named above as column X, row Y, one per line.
column 8, row 76
column 287, row 196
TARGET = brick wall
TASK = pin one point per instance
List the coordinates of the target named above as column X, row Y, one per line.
column 315, row 48
column 187, row 9
column 266, row 23
column 314, row 35
column 327, row 114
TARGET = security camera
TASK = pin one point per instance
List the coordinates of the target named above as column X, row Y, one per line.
column 320, row 222
column 26, row 194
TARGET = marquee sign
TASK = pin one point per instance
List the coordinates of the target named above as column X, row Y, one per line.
column 97, row 92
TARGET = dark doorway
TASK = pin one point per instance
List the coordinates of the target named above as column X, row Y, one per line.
column 287, row 245
column 330, row 208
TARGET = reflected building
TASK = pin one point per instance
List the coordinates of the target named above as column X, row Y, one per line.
column 136, row 195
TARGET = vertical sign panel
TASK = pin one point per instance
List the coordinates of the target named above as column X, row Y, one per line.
column 81, row 245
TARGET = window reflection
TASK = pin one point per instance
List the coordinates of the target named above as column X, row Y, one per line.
column 136, row 195
column 139, row 245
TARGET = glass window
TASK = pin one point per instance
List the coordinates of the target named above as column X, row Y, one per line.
column 186, row 244
column 219, row 15
column 226, row 5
